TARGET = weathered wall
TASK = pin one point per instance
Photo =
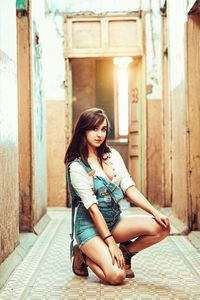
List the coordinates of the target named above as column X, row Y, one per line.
column 179, row 153
column 166, row 112
column 154, row 152
column 153, row 31
column 9, row 218
column 54, row 76
column 24, row 120
column 97, row 6
column 193, row 46
column 32, row 141
column 55, row 115
column 39, row 113
column 176, row 25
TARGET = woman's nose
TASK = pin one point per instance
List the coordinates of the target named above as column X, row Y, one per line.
column 99, row 133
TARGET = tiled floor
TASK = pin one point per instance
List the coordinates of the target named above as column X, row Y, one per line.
column 169, row 270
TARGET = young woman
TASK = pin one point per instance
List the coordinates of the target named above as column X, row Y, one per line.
column 98, row 176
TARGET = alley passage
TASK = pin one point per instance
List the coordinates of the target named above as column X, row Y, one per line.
column 169, row 270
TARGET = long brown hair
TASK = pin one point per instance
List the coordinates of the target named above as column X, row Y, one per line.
column 88, row 120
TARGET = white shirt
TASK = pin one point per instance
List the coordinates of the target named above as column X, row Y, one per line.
column 83, row 183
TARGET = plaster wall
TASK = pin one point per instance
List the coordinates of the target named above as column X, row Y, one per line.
column 153, row 35
column 54, row 92
column 55, row 116
column 176, row 24
column 193, row 118
column 97, row 6
column 179, row 154
column 24, row 122
column 53, row 58
column 38, row 112
column 9, row 198
column 154, row 152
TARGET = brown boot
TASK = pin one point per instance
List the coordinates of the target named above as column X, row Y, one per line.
column 79, row 266
column 127, row 257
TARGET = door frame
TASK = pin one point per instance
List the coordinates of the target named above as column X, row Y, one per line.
column 193, row 123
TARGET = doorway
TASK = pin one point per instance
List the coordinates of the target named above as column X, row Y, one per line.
column 97, row 82
column 94, row 84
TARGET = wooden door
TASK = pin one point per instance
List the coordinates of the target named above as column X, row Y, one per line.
column 137, row 132
column 193, row 129
column 103, row 36
column 25, row 128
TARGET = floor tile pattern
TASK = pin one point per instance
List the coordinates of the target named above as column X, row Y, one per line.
column 169, row 270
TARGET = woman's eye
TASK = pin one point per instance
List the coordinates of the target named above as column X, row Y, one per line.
column 104, row 129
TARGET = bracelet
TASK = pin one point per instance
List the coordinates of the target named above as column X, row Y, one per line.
column 107, row 237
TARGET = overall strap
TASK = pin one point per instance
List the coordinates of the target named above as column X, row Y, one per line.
column 75, row 200
column 88, row 169
column 114, row 190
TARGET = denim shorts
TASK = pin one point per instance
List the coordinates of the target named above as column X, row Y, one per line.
column 85, row 228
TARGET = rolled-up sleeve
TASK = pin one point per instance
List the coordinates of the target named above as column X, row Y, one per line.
column 125, row 178
column 81, row 182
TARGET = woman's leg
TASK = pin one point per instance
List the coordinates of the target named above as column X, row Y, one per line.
column 144, row 228
column 100, row 262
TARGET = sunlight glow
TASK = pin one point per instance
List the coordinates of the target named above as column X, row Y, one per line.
column 122, row 61
column 122, row 90
column 122, row 76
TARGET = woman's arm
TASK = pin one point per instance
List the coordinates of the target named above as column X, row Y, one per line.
column 103, row 230
column 137, row 198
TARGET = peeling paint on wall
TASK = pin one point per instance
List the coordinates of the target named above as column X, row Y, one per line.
column 54, row 63
column 176, row 22
column 38, row 93
column 39, row 122
column 22, row 4
column 9, row 189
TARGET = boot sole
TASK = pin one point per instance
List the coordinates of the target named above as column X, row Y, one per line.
column 76, row 249
column 130, row 276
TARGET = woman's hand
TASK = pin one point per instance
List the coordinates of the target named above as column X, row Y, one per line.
column 162, row 220
column 116, row 254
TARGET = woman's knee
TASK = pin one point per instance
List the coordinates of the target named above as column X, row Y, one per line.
column 162, row 232
column 116, row 276
column 166, row 231
column 159, row 231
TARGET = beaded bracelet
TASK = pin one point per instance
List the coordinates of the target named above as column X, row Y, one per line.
column 107, row 237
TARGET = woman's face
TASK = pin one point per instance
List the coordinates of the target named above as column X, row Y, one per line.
column 95, row 137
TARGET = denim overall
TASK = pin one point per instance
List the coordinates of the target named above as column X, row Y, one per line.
column 108, row 195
